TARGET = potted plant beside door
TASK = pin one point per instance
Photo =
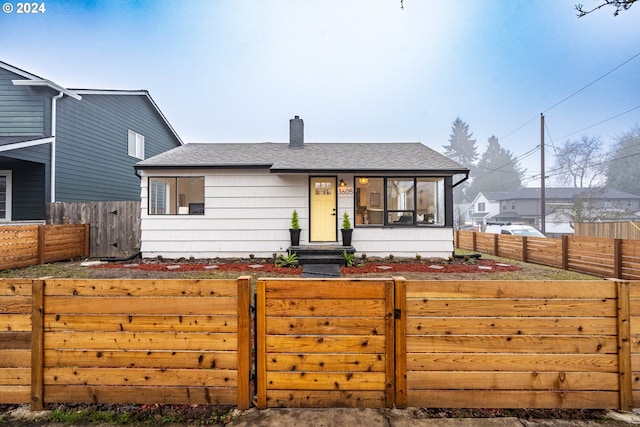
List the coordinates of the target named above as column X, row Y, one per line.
column 294, row 231
column 346, row 230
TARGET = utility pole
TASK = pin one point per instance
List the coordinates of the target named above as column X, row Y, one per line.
column 543, row 202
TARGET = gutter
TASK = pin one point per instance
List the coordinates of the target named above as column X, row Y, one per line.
column 466, row 177
column 54, row 101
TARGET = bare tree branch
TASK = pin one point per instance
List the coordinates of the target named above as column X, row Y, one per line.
column 620, row 5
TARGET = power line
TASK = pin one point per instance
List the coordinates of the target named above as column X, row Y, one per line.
column 600, row 122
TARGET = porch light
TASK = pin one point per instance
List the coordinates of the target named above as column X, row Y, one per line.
column 342, row 183
column 363, row 180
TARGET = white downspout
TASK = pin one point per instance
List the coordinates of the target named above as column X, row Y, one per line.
column 53, row 144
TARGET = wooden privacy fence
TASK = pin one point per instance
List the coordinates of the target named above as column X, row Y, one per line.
column 25, row 245
column 322, row 342
column 115, row 226
column 126, row 341
column 325, row 343
column 616, row 258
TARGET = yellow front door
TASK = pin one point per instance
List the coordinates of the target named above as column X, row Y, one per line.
column 323, row 199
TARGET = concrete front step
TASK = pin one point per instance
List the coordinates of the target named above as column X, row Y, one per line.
column 321, row 254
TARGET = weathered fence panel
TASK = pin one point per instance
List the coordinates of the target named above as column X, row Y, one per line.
column 511, row 344
column 25, row 245
column 325, row 343
column 146, row 341
column 115, row 226
column 611, row 230
column 15, row 340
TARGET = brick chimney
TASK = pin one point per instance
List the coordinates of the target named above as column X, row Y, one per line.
column 296, row 132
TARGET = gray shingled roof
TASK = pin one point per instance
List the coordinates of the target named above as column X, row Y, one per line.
column 278, row 157
column 553, row 193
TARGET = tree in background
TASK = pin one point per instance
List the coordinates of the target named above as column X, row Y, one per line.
column 620, row 5
column 579, row 163
column 497, row 170
column 462, row 148
column 623, row 168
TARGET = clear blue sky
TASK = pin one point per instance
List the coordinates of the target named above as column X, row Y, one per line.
column 354, row 70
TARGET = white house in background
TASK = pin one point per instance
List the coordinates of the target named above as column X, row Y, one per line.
column 232, row 200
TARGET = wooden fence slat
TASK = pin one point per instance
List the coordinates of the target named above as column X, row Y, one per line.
column 244, row 342
column 37, row 346
column 624, row 346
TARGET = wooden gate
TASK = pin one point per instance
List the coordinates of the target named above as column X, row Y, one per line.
column 325, row 343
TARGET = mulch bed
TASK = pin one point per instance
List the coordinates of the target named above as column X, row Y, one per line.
column 367, row 267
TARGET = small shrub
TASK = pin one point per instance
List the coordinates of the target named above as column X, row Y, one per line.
column 418, row 257
column 349, row 259
column 295, row 224
column 289, row 260
column 346, row 224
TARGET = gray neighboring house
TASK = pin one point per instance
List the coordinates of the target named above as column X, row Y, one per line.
column 233, row 200
column 523, row 206
column 72, row 145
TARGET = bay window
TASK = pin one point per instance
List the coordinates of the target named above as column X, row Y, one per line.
column 401, row 201
column 176, row 195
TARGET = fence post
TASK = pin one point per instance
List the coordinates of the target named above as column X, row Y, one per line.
column 390, row 344
column 565, row 252
column 401, row 341
column 87, row 240
column 244, row 341
column 617, row 258
column 473, row 242
column 37, row 345
column 41, row 243
column 261, row 363
column 457, row 239
column 525, row 257
column 625, row 373
column 496, row 249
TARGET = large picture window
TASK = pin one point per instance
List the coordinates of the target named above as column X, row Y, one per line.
column 402, row 201
column 176, row 196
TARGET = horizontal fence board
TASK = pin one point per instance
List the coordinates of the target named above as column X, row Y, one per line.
column 325, row 344
column 506, row 380
column 330, row 381
column 140, row 395
column 525, row 289
column 512, row 325
column 141, row 323
column 458, row 361
column 169, row 359
column 322, row 289
column 325, row 307
column 15, row 340
column 15, row 394
column 141, row 287
column 146, row 305
column 15, row 376
column 141, row 341
column 15, row 287
column 324, row 399
column 325, row 325
column 509, row 307
column 17, row 304
column 15, row 322
column 15, row 358
column 512, row 344
column 513, row 399
column 325, row 362
column 142, row 377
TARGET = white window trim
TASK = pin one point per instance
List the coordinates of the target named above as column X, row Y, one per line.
column 8, row 203
column 135, row 143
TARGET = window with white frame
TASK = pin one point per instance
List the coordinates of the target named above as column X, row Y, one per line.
column 136, row 145
column 176, row 195
column 5, row 195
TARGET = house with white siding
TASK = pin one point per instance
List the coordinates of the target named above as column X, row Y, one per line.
column 232, row 200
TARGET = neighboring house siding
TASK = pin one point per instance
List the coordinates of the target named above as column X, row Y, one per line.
column 245, row 212
column 27, row 181
column 24, row 111
column 92, row 149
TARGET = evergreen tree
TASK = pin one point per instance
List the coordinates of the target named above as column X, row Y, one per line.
column 497, row 170
column 461, row 147
column 623, row 169
column 463, row 150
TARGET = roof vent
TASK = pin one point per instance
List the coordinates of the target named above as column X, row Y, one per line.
column 296, row 132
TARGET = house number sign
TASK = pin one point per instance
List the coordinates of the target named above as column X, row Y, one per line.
column 345, row 191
